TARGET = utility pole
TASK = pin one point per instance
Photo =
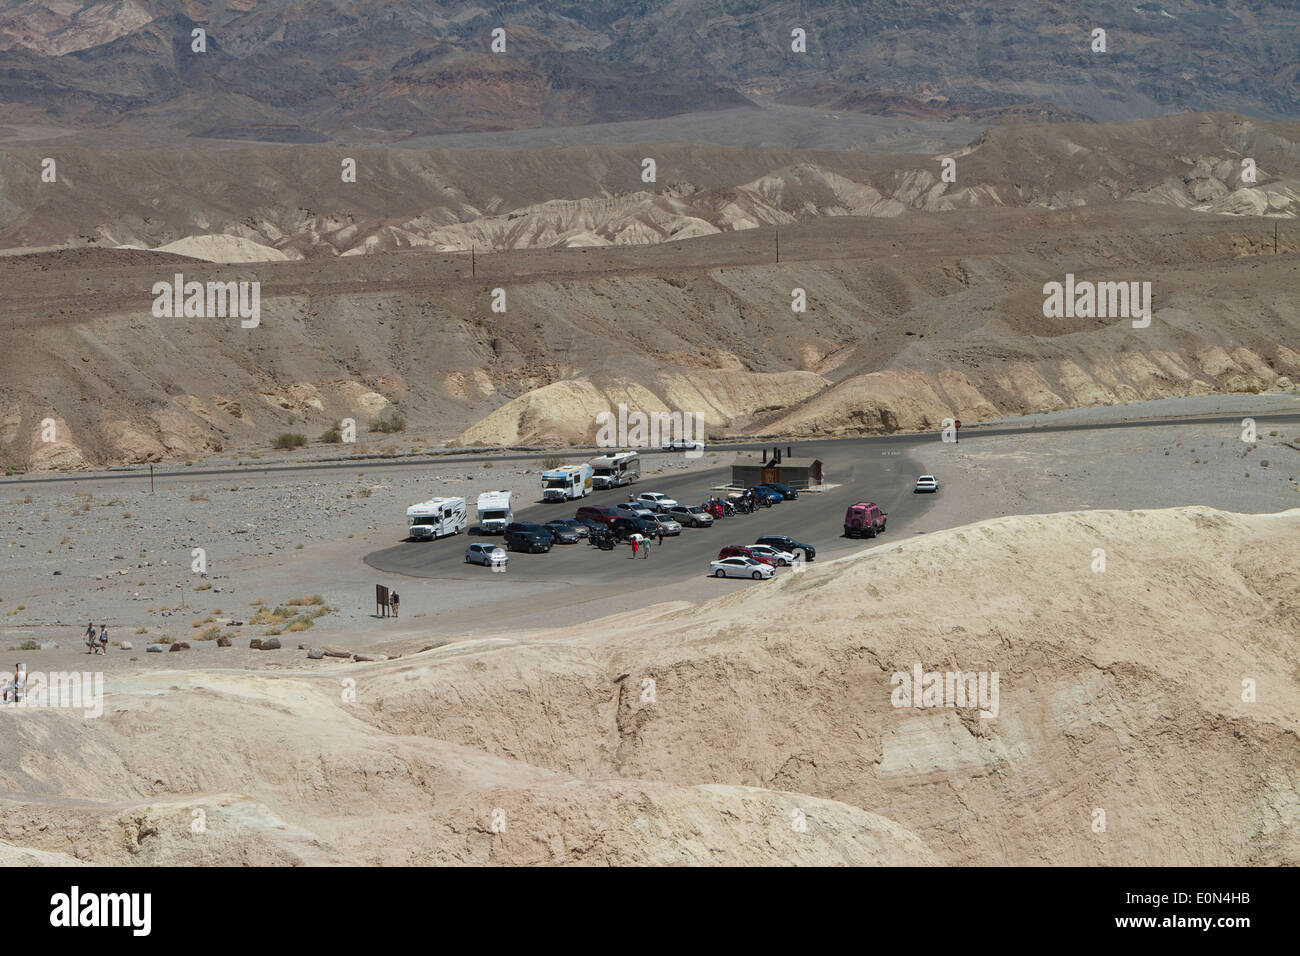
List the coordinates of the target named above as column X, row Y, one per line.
column 151, row 478
column 1274, row 237
column 778, row 247
column 471, row 260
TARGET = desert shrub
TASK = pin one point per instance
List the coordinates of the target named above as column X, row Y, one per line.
column 551, row 462
column 313, row 600
column 29, row 646
column 210, row 633
column 389, row 422
column 288, row 440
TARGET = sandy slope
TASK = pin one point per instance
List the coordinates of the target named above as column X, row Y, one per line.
column 1119, row 691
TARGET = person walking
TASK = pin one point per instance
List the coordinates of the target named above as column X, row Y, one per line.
column 661, row 536
column 394, row 599
column 636, row 544
column 103, row 639
column 90, row 638
column 645, row 547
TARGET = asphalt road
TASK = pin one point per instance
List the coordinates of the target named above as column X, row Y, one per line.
column 879, row 470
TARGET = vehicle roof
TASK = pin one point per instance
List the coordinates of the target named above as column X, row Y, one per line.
column 865, row 504
column 433, row 504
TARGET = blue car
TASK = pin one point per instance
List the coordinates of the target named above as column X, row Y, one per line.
column 765, row 493
column 787, row 493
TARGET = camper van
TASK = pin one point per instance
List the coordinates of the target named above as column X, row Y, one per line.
column 567, row 483
column 436, row 518
column 494, row 512
column 615, row 470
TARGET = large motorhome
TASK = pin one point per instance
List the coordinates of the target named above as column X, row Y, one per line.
column 567, row 483
column 615, row 470
column 436, row 518
column 494, row 512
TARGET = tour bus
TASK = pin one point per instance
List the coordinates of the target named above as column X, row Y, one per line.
column 436, row 518
column 567, row 483
column 494, row 512
column 615, row 470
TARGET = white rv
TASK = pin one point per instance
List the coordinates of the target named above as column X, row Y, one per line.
column 615, row 470
column 567, row 483
column 494, row 512
column 436, row 518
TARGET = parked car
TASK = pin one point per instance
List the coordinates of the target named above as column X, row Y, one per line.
column 668, row 524
column 783, row 559
column 785, row 491
column 626, row 527
column 683, row 444
column 604, row 515
column 591, row 524
column 864, row 518
column 691, row 516
column 562, row 533
column 765, row 495
column 655, row 501
column 525, row 536
column 633, row 509
column 742, row 551
column 486, row 555
column 739, row 567
column 783, row 543
column 926, row 483
column 573, row 524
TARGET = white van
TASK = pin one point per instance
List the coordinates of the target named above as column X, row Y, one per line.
column 437, row 518
column 494, row 512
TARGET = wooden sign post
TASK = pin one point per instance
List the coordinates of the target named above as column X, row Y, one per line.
column 381, row 600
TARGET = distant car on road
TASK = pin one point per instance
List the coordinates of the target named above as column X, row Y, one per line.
column 581, row 528
column 668, row 524
column 655, row 501
column 926, row 483
column 864, row 519
column 683, row 444
column 783, row 543
column 691, row 516
column 486, row 555
column 526, row 536
column 739, row 567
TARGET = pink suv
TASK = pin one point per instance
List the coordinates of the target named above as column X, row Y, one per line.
column 864, row 518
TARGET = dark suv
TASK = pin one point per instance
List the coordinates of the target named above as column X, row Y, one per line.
column 783, row 543
column 626, row 527
column 525, row 536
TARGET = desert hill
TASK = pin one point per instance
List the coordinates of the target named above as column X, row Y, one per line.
column 766, row 705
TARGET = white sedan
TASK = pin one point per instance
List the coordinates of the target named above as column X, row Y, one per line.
column 783, row 559
column 655, row 501
column 683, row 444
column 741, row 568
column 926, row 483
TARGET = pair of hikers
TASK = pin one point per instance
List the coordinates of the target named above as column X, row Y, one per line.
column 98, row 643
column 641, row 544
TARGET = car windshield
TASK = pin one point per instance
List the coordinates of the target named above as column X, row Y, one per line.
column 491, row 515
column 695, row 511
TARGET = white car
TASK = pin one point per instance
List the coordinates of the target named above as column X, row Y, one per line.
column 634, row 509
column 683, row 444
column 486, row 555
column 655, row 501
column 926, row 483
column 691, row 516
column 783, row 559
column 741, row 568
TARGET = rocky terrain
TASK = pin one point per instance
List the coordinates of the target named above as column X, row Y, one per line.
column 302, row 71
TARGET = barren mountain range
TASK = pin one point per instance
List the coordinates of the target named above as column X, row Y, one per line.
column 319, row 70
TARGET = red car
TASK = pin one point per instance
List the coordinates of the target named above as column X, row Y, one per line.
column 864, row 519
column 597, row 513
column 740, row 551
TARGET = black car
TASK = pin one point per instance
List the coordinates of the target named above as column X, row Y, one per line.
column 788, row 493
column 525, row 536
column 626, row 527
column 591, row 524
column 783, row 543
column 580, row 528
